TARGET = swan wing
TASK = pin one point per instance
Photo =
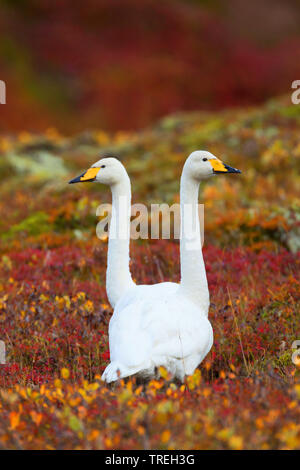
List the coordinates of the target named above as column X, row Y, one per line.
column 153, row 326
column 130, row 337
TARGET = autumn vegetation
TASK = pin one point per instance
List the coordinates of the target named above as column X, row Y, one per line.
column 54, row 312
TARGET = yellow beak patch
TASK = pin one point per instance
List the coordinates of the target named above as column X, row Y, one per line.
column 218, row 165
column 90, row 174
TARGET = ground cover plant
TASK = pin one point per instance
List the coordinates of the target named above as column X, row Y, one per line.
column 54, row 312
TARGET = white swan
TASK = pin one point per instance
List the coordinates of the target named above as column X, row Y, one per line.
column 163, row 324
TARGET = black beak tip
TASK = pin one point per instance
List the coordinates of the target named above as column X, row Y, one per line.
column 75, row 180
column 230, row 169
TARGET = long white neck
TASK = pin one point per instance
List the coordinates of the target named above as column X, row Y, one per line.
column 193, row 275
column 118, row 277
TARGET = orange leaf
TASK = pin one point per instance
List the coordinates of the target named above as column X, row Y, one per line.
column 14, row 419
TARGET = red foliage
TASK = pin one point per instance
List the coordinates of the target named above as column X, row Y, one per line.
column 50, row 324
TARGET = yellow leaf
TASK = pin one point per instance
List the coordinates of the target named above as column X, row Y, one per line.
column 292, row 405
column 165, row 436
column 224, row 434
column 57, row 383
column 65, row 373
column 236, row 442
column 163, row 372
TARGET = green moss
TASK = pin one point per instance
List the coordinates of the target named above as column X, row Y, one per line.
column 35, row 224
column 292, row 111
column 284, row 360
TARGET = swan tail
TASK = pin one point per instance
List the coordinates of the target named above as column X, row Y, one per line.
column 115, row 371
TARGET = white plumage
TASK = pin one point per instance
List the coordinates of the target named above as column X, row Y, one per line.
column 163, row 324
column 155, row 326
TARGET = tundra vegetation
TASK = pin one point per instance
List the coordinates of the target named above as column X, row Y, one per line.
column 54, row 313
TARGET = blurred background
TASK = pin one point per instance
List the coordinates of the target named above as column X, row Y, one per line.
column 120, row 65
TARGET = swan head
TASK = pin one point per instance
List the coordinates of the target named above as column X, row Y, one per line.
column 108, row 170
column 202, row 164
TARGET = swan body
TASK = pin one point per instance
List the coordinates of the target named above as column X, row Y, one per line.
column 155, row 325
column 164, row 324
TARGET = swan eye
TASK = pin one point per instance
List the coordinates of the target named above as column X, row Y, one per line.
column 102, row 166
column 204, row 159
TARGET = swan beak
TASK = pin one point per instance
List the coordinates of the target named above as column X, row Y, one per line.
column 220, row 167
column 87, row 176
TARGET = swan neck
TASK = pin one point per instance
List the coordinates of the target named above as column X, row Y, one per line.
column 118, row 277
column 193, row 274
